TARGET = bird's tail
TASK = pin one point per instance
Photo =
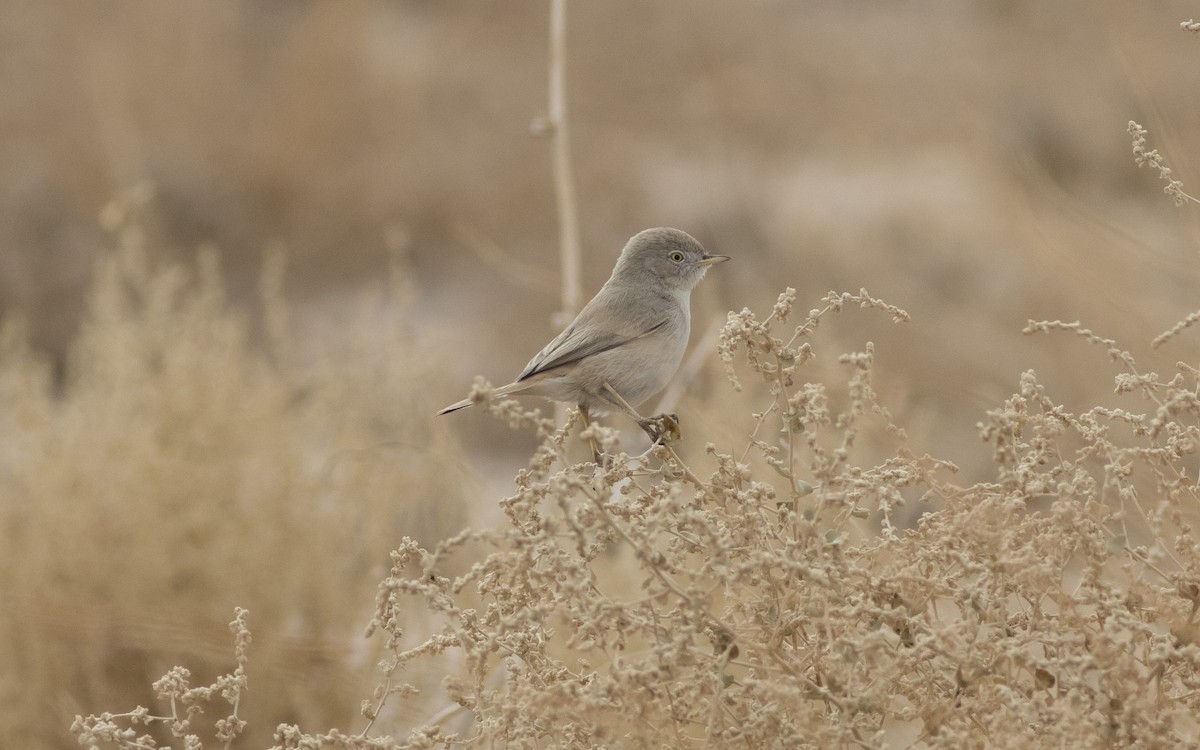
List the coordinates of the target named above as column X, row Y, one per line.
column 504, row 390
column 457, row 405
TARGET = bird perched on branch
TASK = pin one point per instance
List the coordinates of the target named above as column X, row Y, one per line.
column 627, row 342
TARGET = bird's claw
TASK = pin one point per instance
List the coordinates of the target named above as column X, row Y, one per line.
column 663, row 428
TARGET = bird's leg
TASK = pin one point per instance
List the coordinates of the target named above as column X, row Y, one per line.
column 662, row 428
column 597, row 456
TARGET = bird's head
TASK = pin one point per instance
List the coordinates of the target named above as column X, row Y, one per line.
column 673, row 258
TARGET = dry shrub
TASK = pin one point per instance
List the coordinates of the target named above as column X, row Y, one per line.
column 649, row 603
column 177, row 470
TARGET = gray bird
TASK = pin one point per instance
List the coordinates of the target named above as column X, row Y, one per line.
column 627, row 342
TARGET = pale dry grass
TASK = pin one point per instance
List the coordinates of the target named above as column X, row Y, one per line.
column 181, row 468
column 655, row 602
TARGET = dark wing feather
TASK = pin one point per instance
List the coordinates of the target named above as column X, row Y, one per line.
column 571, row 346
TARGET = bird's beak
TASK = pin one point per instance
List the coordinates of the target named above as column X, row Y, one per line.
column 709, row 260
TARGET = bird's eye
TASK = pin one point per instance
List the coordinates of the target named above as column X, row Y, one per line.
column 677, row 257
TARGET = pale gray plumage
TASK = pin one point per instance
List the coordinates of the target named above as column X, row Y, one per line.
column 630, row 337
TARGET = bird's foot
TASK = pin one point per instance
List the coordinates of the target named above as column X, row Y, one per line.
column 663, row 428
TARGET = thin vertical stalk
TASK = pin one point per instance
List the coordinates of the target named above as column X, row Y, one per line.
column 569, row 246
column 564, row 183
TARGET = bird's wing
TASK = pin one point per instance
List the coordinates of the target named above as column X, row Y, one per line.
column 583, row 338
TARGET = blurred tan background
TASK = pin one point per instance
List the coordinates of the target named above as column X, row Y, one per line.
column 968, row 162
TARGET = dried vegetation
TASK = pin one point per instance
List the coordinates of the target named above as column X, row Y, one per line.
column 760, row 595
